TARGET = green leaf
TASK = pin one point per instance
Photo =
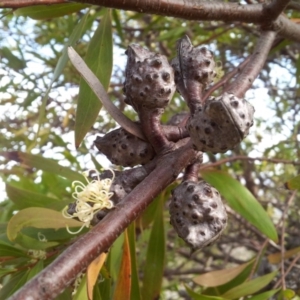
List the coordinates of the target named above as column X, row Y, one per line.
column 31, row 243
column 148, row 215
column 116, row 18
column 196, row 296
column 8, row 250
column 14, row 62
column 97, row 87
column 38, row 267
column 99, row 60
column 78, row 31
column 3, row 272
column 41, row 163
column 264, row 296
column 250, row 287
column 241, row 200
column 44, row 12
column 40, row 218
column 24, row 198
column 298, row 70
column 216, row 278
column 67, row 295
column 135, row 288
column 242, row 277
column 154, row 266
column 16, row 281
column 81, row 293
column 293, row 184
column 286, row 295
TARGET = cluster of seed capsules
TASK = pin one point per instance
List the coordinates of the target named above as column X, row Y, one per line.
column 217, row 125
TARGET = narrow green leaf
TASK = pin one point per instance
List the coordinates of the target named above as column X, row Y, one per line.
column 196, row 296
column 67, row 295
column 40, row 218
column 38, row 267
column 14, row 62
column 16, row 281
column 105, row 285
column 96, row 293
column 44, row 12
column 154, row 266
column 216, row 278
column 3, row 272
column 135, row 288
column 32, row 243
column 242, row 277
column 24, row 198
column 242, row 201
column 250, row 287
column 264, row 296
column 147, row 217
column 116, row 18
column 81, row 293
column 95, row 162
column 99, row 60
column 78, row 31
column 298, row 70
column 8, row 250
column 287, row 295
column 97, row 87
column 41, row 163
column 293, row 184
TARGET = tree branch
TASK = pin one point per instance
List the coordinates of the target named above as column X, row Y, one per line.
column 208, row 11
column 224, row 80
column 275, row 8
column 190, row 10
column 58, row 275
column 245, row 79
column 24, row 3
column 243, row 157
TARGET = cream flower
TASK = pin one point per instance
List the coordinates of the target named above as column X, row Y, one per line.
column 90, row 198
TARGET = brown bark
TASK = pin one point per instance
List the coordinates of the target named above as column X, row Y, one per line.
column 193, row 10
column 245, row 79
column 58, row 275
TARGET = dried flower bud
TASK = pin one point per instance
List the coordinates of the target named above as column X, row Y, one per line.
column 124, row 149
column 194, row 69
column 221, row 124
column 149, row 79
column 197, row 213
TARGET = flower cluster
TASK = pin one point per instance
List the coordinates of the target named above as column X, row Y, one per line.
column 90, row 199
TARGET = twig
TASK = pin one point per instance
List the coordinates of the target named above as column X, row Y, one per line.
column 275, row 8
column 288, row 270
column 265, row 243
column 153, row 130
column 245, row 79
column 192, row 171
column 209, row 11
column 24, row 3
column 60, row 273
column 282, row 251
column 243, row 157
column 226, row 78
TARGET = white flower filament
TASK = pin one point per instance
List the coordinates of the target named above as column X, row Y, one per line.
column 90, row 199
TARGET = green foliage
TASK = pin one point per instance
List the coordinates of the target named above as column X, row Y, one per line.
column 99, row 60
column 40, row 101
column 242, row 201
